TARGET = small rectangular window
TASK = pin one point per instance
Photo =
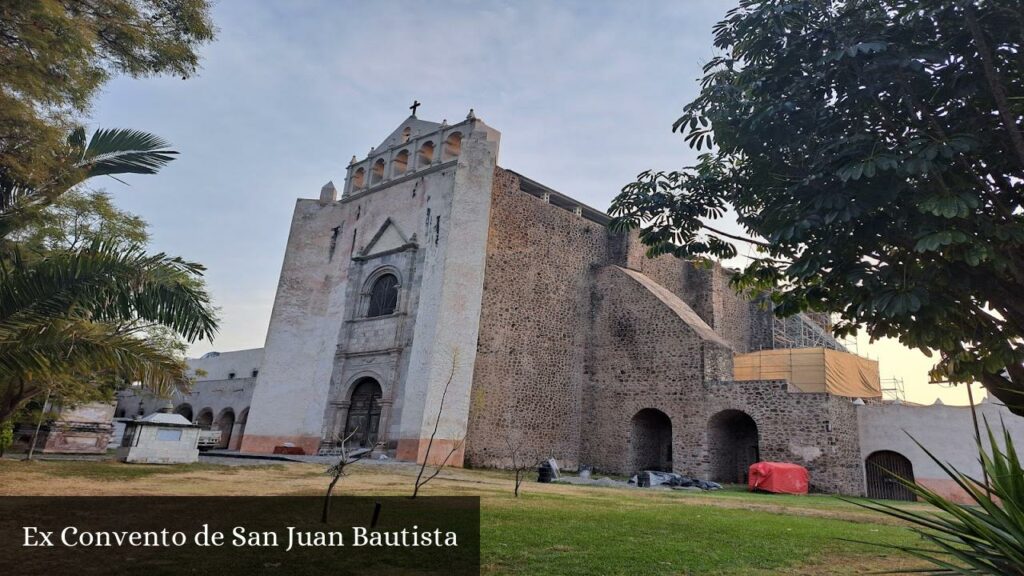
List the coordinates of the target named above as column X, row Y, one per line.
column 168, row 435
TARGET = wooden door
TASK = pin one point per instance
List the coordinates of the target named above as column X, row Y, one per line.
column 881, row 469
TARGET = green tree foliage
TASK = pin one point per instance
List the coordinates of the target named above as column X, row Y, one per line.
column 873, row 152
column 56, row 54
column 74, row 318
column 79, row 218
column 81, row 303
column 6, row 436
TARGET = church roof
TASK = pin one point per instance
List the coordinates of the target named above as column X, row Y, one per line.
column 163, row 419
column 415, row 126
column 677, row 306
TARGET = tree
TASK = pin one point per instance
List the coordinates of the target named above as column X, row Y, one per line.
column 457, row 445
column 73, row 320
column 79, row 218
column 337, row 471
column 55, row 56
column 873, row 153
column 76, row 316
column 522, row 457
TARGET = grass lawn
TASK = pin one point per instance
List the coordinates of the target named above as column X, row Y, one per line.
column 550, row 529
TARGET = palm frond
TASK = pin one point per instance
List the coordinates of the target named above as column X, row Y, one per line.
column 108, row 283
column 75, row 350
column 124, row 151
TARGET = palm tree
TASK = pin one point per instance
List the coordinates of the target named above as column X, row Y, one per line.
column 72, row 318
column 69, row 316
column 110, row 152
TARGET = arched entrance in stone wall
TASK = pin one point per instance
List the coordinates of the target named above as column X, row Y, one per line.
column 650, row 441
column 185, row 410
column 364, row 414
column 732, row 445
column 881, row 469
column 205, row 419
column 243, row 419
column 226, row 424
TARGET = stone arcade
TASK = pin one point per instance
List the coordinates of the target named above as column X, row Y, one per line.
column 435, row 269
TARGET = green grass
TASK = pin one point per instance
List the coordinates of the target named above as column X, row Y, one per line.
column 113, row 470
column 589, row 530
column 555, row 534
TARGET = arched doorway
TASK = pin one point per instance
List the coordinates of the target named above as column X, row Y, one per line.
column 185, row 410
column 225, row 423
column 205, row 419
column 364, row 414
column 881, row 469
column 650, row 441
column 732, row 445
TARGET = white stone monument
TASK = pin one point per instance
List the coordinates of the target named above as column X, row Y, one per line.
column 160, row 438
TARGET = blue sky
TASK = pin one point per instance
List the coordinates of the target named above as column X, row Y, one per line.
column 584, row 94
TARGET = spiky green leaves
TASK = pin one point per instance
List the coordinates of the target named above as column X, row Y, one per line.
column 986, row 537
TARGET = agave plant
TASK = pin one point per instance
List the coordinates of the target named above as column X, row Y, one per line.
column 984, row 537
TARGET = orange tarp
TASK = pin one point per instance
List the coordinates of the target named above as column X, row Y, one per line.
column 812, row 370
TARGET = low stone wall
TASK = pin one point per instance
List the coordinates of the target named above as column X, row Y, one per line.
column 946, row 431
column 815, row 430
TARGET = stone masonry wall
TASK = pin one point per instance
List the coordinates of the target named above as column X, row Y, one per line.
column 587, row 349
column 645, row 355
column 742, row 323
column 533, row 327
column 817, row 431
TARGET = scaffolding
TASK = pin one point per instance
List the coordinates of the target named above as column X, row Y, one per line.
column 892, row 390
column 803, row 331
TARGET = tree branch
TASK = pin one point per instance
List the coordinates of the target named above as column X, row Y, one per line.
column 992, row 76
column 734, row 237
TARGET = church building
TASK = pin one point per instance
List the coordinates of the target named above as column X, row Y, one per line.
column 439, row 294
column 438, row 289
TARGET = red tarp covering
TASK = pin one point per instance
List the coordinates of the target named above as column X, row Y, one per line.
column 778, row 477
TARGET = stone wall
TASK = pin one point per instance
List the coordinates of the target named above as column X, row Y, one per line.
column 592, row 353
column 946, row 431
column 649, row 351
column 746, row 325
column 817, row 431
column 533, row 327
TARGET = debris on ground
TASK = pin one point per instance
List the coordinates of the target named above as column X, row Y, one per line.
column 555, row 472
column 653, row 478
column 584, row 472
column 544, row 472
column 589, row 481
